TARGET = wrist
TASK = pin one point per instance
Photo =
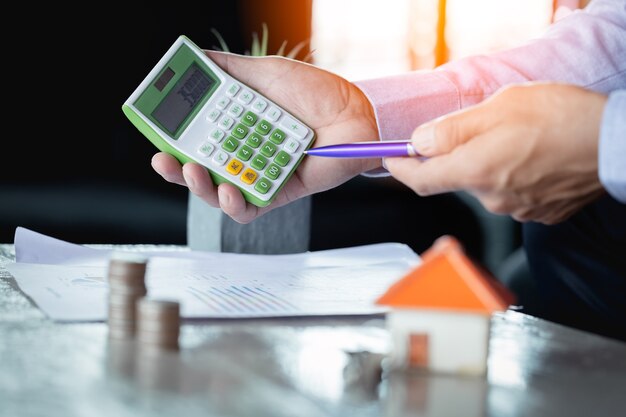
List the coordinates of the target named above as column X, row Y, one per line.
column 370, row 131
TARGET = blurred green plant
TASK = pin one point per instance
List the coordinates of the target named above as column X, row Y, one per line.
column 259, row 45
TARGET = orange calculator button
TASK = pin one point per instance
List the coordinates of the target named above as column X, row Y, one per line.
column 234, row 166
column 248, row 176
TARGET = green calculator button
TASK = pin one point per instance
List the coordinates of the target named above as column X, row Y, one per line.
column 282, row 158
column 268, row 149
column 263, row 185
column 244, row 153
column 263, row 128
column 272, row 172
column 259, row 162
column 277, row 136
column 254, row 140
column 240, row 131
column 249, row 119
column 230, row 144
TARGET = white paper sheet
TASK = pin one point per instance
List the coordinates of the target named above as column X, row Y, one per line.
column 68, row 281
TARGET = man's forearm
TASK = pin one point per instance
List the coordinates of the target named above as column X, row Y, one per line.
column 586, row 49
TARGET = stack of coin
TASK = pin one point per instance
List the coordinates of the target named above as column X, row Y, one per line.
column 126, row 278
column 158, row 323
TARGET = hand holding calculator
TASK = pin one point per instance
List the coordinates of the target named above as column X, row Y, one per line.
column 189, row 107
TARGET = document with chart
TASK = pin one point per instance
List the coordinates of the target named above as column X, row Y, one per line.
column 68, row 282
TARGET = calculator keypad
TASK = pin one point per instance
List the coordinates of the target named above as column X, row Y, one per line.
column 250, row 140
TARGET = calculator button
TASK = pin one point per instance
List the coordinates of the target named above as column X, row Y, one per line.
column 230, row 144
column 293, row 127
column 240, row 131
column 222, row 103
column 244, row 153
column 282, row 159
column 291, row 145
column 249, row 176
column 259, row 162
column 268, row 149
column 245, row 97
column 254, row 140
column 234, row 167
column 278, row 136
column 206, row 149
column 226, row 122
column 263, row 185
column 220, row 157
column 263, row 128
column 232, row 90
column 235, row 110
column 273, row 114
column 249, row 119
column 213, row 115
column 216, row 135
column 273, row 171
column 259, row 105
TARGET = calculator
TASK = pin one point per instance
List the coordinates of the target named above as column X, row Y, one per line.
column 189, row 107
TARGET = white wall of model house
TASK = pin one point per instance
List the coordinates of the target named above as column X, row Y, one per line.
column 457, row 342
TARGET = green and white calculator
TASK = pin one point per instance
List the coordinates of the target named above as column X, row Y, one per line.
column 190, row 108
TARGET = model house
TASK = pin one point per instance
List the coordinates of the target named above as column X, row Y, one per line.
column 440, row 312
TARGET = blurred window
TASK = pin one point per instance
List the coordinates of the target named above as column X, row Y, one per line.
column 371, row 38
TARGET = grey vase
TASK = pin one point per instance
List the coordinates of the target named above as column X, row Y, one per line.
column 282, row 230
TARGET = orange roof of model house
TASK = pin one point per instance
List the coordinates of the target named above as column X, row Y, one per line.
column 448, row 280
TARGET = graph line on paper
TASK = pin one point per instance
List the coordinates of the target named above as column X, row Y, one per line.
column 237, row 300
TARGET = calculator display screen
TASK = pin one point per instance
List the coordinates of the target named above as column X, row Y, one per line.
column 183, row 98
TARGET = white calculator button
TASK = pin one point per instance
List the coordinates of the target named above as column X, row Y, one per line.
column 222, row 103
column 206, row 149
column 236, row 109
column 213, row 115
column 226, row 122
column 232, row 90
column 216, row 135
column 245, row 97
column 273, row 114
column 296, row 129
column 291, row 145
column 259, row 105
column 220, row 158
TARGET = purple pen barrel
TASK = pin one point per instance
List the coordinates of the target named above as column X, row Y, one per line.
column 380, row 149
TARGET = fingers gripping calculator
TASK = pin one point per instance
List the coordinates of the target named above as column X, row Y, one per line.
column 190, row 108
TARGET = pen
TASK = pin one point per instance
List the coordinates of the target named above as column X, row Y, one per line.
column 373, row 149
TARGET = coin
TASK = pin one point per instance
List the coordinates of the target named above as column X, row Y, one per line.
column 126, row 279
column 129, row 290
column 122, row 313
column 152, row 307
column 123, row 299
column 121, row 268
column 158, row 323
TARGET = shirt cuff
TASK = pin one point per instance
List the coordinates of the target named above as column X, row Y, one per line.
column 403, row 102
column 612, row 146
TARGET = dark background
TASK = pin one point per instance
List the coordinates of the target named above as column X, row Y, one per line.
column 73, row 165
